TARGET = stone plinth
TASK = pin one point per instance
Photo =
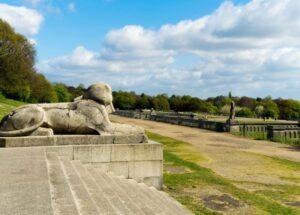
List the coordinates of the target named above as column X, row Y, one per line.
column 58, row 140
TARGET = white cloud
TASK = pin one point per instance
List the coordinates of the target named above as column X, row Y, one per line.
column 25, row 21
column 71, row 7
column 251, row 49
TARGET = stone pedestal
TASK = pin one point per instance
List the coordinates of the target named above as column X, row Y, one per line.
column 233, row 125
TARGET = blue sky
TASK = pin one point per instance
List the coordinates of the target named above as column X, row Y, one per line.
column 197, row 47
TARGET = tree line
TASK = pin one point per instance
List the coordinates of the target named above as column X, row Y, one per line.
column 19, row 80
column 245, row 106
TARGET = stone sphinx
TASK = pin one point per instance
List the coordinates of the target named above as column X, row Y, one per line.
column 88, row 114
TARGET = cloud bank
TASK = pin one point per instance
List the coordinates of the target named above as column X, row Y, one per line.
column 25, row 21
column 251, row 49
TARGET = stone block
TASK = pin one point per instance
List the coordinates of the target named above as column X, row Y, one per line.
column 123, row 152
column 139, row 170
column 83, row 153
column 104, row 167
column 119, row 168
column 150, row 151
column 66, row 151
column 125, row 139
column 101, row 153
column 156, row 181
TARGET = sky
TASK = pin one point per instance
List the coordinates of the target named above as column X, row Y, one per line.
column 201, row 48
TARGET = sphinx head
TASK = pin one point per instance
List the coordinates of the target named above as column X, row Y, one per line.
column 102, row 94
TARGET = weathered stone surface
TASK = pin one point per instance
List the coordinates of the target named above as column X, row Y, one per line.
column 24, row 187
column 61, row 194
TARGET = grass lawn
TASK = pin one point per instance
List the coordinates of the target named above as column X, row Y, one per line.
column 205, row 192
column 7, row 105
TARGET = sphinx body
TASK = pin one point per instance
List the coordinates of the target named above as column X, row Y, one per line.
column 88, row 114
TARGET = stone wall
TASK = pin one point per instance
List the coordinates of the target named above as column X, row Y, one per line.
column 263, row 130
column 177, row 120
column 253, row 130
column 279, row 133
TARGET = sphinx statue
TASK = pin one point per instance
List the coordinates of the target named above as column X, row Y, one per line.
column 87, row 114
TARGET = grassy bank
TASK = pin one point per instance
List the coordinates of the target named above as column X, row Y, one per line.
column 205, row 192
column 7, row 105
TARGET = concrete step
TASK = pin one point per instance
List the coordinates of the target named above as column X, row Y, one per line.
column 170, row 202
column 151, row 200
column 24, row 187
column 155, row 197
column 143, row 200
column 61, row 196
column 131, row 203
column 109, row 191
column 85, row 203
column 167, row 203
column 102, row 200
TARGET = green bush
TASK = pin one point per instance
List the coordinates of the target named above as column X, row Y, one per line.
column 245, row 112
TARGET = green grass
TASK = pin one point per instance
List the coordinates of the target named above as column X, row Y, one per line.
column 7, row 105
column 180, row 186
column 287, row 164
column 253, row 135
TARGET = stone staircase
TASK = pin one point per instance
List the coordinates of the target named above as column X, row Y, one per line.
column 35, row 181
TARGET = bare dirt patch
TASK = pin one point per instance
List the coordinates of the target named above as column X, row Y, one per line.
column 222, row 202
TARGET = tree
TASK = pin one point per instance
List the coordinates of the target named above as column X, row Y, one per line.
column 18, row 78
column 62, row 92
column 142, row 102
column 245, row 112
column 270, row 108
column 17, row 57
column 161, row 102
column 42, row 90
column 259, row 110
column 176, row 103
column 207, row 107
column 76, row 91
column 221, row 101
column 289, row 109
column 124, row 100
column 247, row 102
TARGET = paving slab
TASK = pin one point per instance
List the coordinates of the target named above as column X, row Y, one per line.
column 24, row 187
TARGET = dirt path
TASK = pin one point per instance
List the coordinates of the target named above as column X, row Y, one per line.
column 238, row 159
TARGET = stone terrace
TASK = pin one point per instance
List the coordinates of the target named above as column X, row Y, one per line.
column 36, row 180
